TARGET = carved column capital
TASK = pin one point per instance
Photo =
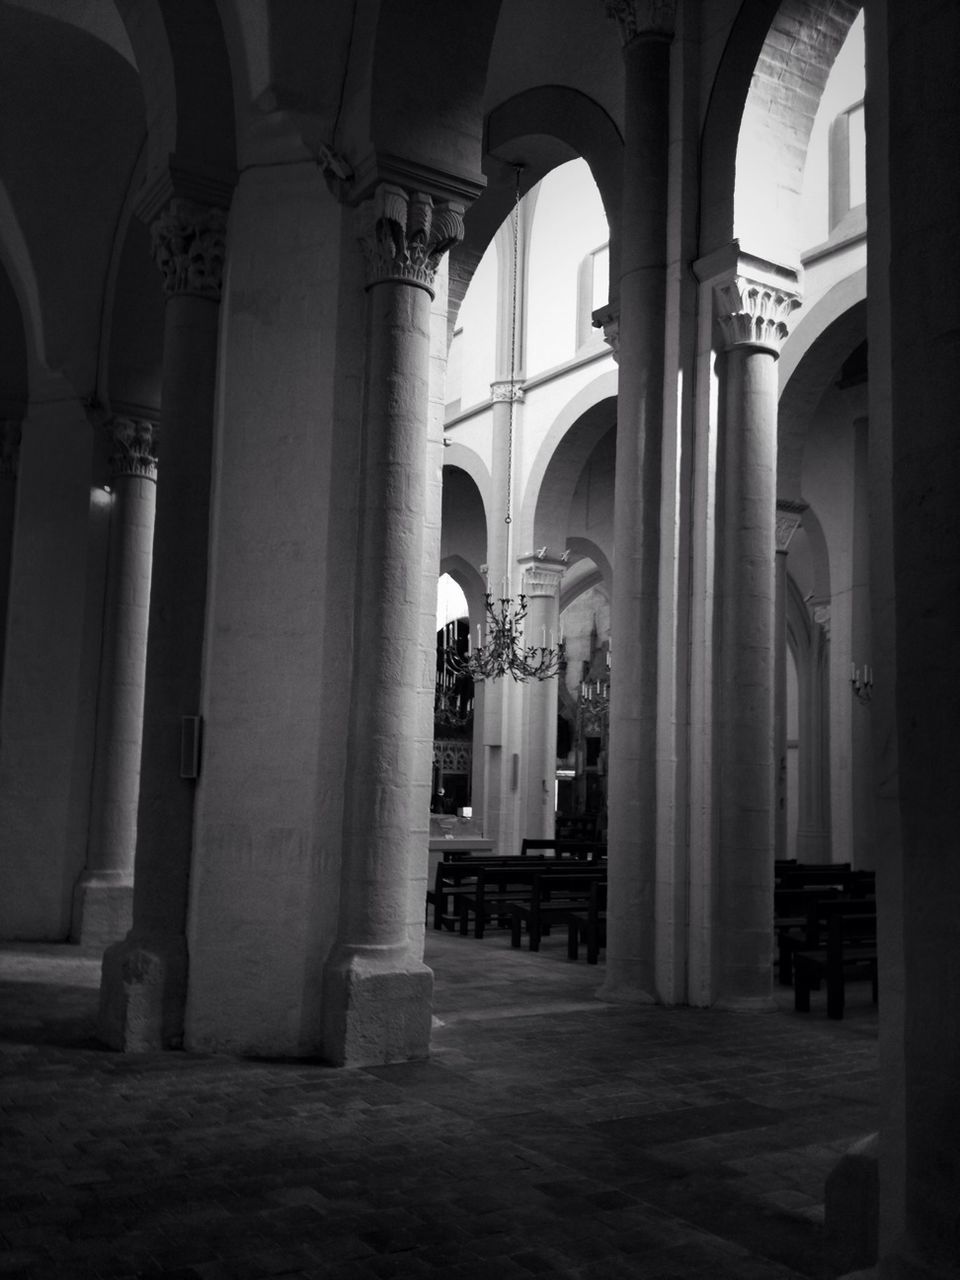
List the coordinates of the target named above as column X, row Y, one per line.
column 789, row 516
column 189, row 244
column 643, row 17
column 507, row 390
column 404, row 235
column 541, row 574
column 133, row 447
column 608, row 320
column 821, row 616
column 754, row 312
column 10, row 435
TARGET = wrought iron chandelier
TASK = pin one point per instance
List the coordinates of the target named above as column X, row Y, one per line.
column 505, row 653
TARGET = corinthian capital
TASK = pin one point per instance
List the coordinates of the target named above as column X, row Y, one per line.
column 789, row 516
column 9, row 447
column 754, row 313
column 643, row 17
column 541, row 576
column 188, row 242
column 133, row 447
column 404, row 234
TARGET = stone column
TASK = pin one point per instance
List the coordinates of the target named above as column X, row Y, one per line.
column 377, row 994
column 9, row 450
column 752, row 307
column 143, row 989
column 789, row 515
column 647, row 30
column 541, row 628
column 103, row 898
column 920, row 1020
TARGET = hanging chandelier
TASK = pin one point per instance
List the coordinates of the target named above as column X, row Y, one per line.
column 505, row 652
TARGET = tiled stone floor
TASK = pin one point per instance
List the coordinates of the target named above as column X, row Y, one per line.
column 549, row 1134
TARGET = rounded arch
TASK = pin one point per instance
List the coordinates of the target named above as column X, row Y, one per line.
column 560, row 460
column 17, row 265
column 432, row 124
column 181, row 54
column 458, row 455
column 755, row 110
column 470, row 581
column 543, row 127
column 823, row 339
column 590, row 567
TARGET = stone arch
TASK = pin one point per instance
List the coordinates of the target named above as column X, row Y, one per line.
column 187, row 86
column 542, row 519
column 755, row 109
column 23, row 286
column 544, row 127
column 463, row 496
column 459, row 456
column 821, row 342
column 574, row 584
column 431, row 123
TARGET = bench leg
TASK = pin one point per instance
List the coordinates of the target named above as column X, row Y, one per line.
column 801, row 991
column 835, row 995
column 573, row 940
column 516, row 929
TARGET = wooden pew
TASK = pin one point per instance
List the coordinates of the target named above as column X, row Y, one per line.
column 552, row 895
column 588, row 926
column 850, row 952
column 795, row 922
column 585, row 850
column 454, row 878
column 497, row 888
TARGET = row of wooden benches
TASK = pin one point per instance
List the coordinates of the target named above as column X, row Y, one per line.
column 533, row 892
column 825, row 922
column 825, row 915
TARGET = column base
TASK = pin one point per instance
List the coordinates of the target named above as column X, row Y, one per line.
column 623, row 985
column 746, row 1004
column 903, row 1263
column 102, row 908
column 852, row 1209
column 143, row 987
column 377, row 1008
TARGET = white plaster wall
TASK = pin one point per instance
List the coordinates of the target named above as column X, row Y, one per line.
column 568, row 223
column 265, row 880
column 49, row 681
column 845, row 86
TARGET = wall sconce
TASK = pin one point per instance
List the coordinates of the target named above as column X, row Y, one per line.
column 861, row 681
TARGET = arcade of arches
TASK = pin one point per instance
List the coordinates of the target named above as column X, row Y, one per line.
column 647, row 309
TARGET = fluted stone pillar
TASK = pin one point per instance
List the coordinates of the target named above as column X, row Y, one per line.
column 752, row 307
column 789, row 514
column 103, row 898
column 647, row 30
column 143, row 988
column 9, row 450
column 541, row 585
column 377, row 993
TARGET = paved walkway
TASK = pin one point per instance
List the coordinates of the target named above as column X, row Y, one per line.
column 549, row 1134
